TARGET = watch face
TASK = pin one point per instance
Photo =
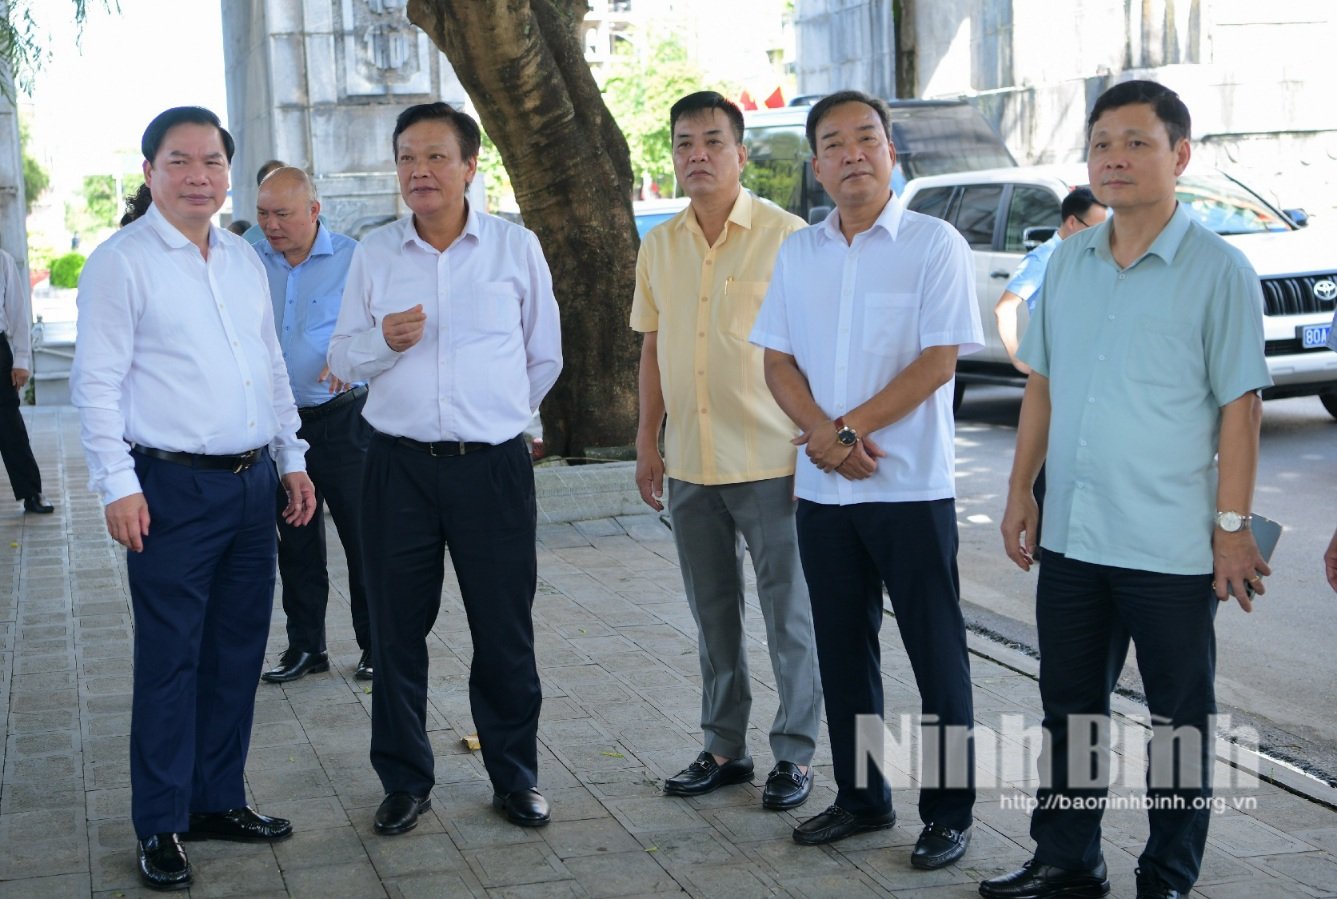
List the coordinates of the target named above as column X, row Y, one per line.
column 1229, row 521
column 847, row 437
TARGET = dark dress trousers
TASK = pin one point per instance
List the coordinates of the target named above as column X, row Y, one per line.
column 15, row 449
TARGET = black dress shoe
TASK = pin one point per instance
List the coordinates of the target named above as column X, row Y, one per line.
column 787, row 786
column 835, row 824
column 364, row 669
column 1150, row 886
column 163, row 864
column 705, row 775
column 527, row 808
column 37, row 503
column 295, row 663
column 1037, row 881
column 399, row 812
column 939, row 846
column 238, row 825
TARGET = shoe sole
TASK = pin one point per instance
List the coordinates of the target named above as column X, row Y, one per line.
column 729, row 781
column 285, row 679
column 1088, row 891
column 165, row 887
column 361, row 675
column 941, row 861
column 500, row 806
column 424, row 806
column 199, row 836
column 804, row 840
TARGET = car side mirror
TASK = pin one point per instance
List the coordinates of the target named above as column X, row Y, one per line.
column 1033, row 237
column 1298, row 216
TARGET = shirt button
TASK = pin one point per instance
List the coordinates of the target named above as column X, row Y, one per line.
column 252, row 424
column 705, row 299
column 1081, row 443
column 1111, row 316
column 700, row 333
column 710, row 262
column 1090, row 399
column 703, row 412
column 234, row 343
column 1121, row 277
column 248, row 383
column 1101, row 357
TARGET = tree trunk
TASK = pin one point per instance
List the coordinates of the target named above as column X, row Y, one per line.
column 522, row 64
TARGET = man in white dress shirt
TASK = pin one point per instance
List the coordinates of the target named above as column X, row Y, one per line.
column 862, row 324
column 185, row 409
column 15, row 368
column 449, row 315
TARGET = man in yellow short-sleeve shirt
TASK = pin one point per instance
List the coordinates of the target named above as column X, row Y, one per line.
column 700, row 279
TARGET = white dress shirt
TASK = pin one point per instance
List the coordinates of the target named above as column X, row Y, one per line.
column 177, row 353
column 15, row 312
column 492, row 345
column 854, row 316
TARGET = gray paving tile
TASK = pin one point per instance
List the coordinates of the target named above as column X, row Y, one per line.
column 356, row 880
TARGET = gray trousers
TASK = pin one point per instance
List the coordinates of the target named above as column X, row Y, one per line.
column 710, row 526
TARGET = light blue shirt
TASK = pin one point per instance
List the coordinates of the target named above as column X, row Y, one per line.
column 306, row 301
column 1140, row 361
column 1026, row 279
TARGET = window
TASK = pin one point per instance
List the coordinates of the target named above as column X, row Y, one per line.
column 932, row 201
column 1032, row 207
column 977, row 214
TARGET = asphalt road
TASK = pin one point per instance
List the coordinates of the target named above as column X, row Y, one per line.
column 1276, row 667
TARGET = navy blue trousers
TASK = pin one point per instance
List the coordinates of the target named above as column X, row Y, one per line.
column 848, row 554
column 338, row 447
column 202, row 592
column 1085, row 615
column 481, row 506
column 16, row 451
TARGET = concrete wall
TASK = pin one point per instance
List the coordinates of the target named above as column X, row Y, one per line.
column 13, row 227
column 318, row 84
column 845, row 44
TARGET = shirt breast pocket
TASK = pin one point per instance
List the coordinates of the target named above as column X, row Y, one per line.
column 1161, row 352
column 890, row 323
column 742, row 302
column 495, row 307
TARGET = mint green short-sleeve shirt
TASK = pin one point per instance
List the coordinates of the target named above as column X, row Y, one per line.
column 1140, row 361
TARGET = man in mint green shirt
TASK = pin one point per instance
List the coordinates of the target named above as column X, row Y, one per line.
column 1147, row 356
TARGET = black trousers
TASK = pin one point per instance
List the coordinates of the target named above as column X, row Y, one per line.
column 202, row 592
column 481, row 507
column 15, row 449
column 1086, row 615
column 848, row 553
column 338, row 439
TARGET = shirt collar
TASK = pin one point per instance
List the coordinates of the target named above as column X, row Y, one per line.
column 472, row 228
column 322, row 246
column 1165, row 246
column 170, row 234
column 889, row 220
column 740, row 214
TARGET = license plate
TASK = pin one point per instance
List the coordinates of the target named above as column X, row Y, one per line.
column 1313, row 336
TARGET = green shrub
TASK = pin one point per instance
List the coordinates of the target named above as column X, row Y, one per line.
column 65, row 270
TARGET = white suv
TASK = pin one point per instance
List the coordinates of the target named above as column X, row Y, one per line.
column 1004, row 212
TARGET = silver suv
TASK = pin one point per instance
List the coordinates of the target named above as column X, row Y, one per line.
column 1002, row 213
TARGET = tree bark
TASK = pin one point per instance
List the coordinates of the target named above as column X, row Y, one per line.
column 522, row 64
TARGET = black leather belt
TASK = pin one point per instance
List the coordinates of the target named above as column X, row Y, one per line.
column 312, row 413
column 236, row 463
column 440, row 447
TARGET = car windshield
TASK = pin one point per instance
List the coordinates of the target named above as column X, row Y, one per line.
column 1227, row 207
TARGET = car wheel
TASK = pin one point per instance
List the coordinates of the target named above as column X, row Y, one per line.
column 1329, row 401
column 960, row 391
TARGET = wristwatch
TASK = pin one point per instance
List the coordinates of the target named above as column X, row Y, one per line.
column 1232, row 522
column 844, row 433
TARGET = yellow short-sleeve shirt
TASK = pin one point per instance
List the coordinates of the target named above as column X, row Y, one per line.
column 724, row 427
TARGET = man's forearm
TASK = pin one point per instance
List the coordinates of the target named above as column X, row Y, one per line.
column 906, row 392
column 1237, row 453
column 650, row 392
column 791, row 391
column 1032, row 434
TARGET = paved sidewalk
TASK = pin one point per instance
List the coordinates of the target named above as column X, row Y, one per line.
column 617, row 653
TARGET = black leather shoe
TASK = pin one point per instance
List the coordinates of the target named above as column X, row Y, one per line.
column 1150, row 886
column 527, row 808
column 364, row 669
column 939, row 846
column 705, row 775
column 399, row 812
column 787, row 786
column 37, row 503
column 1037, row 881
column 163, row 864
column 238, row 825
column 295, row 663
column 835, row 824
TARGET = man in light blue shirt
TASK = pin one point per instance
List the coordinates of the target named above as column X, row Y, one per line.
column 307, row 265
column 1146, row 358
column 1079, row 210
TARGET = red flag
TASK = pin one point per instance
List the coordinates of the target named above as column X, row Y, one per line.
column 775, row 99
column 745, row 101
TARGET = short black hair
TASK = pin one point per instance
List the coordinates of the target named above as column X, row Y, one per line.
column 1078, row 203
column 1163, row 101
column 181, row 115
column 703, row 101
column 466, row 129
column 830, row 101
